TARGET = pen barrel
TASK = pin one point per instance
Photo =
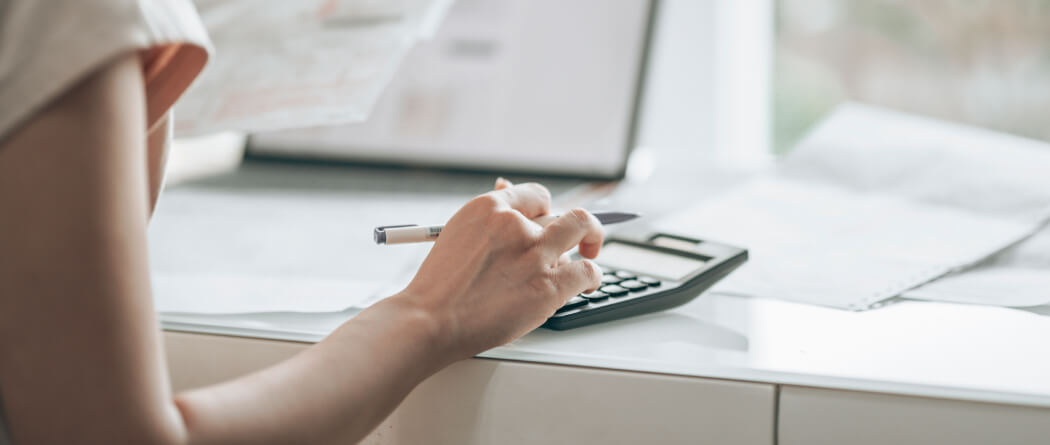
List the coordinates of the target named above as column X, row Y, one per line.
column 415, row 234
column 401, row 235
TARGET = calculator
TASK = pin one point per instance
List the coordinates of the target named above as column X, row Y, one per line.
column 646, row 273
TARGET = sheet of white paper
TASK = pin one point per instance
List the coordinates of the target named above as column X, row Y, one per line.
column 873, row 150
column 875, row 203
column 827, row 245
column 232, row 294
column 281, row 64
column 1019, row 277
column 270, row 250
column 997, row 286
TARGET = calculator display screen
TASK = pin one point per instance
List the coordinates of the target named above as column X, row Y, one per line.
column 647, row 261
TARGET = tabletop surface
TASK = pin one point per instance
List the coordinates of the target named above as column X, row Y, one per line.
column 907, row 347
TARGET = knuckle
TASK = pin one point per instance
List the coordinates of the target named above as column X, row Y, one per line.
column 595, row 275
column 505, row 219
column 581, row 217
column 488, row 201
column 540, row 189
column 545, row 284
column 509, row 223
column 590, row 269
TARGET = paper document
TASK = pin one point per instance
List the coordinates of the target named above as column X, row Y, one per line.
column 235, row 294
column 216, row 250
column 1019, row 277
column 285, row 64
column 874, row 203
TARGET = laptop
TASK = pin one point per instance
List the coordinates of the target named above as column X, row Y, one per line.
column 513, row 86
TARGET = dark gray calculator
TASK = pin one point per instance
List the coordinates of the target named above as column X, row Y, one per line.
column 648, row 272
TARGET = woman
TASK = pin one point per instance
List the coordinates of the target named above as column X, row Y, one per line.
column 86, row 89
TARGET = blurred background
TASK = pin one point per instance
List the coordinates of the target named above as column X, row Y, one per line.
column 982, row 62
column 728, row 82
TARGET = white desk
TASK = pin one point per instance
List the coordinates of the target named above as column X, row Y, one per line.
column 745, row 370
column 722, row 369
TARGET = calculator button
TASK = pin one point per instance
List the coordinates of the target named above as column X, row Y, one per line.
column 633, row 285
column 650, row 281
column 573, row 303
column 611, row 279
column 595, row 296
column 614, row 290
column 626, row 275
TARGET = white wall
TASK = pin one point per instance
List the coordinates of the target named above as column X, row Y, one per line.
column 709, row 79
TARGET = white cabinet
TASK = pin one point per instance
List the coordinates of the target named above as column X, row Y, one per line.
column 484, row 401
column 196, row 360
column 498, row 402
column 813, row 416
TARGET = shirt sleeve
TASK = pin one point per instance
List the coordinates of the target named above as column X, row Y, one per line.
column 48, row 46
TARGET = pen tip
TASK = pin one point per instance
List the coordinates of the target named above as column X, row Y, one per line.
column 616, row 217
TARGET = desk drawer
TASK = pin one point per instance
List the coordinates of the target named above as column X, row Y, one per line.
column 814, row 416
column 484, row 401
column 490, row 401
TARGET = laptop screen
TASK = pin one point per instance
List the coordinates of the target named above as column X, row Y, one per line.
column 540, row 86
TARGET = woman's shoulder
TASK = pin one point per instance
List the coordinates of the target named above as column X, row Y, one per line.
column 47, row 46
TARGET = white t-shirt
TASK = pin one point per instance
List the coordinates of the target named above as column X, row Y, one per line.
column 47, row 46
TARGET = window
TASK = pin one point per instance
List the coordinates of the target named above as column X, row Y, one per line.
column 985, row 63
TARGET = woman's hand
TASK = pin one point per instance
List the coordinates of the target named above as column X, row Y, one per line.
column 494, row 275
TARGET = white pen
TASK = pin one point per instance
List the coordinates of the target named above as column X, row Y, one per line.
column 412, row 233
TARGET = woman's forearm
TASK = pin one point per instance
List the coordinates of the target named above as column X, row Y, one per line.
column 80, row 354
column 336, row 390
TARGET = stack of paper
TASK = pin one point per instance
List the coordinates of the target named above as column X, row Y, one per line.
column 874, row 203
column 286, row 64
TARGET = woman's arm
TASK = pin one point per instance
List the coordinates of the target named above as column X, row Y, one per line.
column 80, row 358
column 80, row 351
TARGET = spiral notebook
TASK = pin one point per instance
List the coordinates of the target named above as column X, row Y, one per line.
column 873, row 203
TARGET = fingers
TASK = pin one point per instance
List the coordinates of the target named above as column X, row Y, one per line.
column 530, row 199
column 578, row 276
column 575, row 227
column 502, row 184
